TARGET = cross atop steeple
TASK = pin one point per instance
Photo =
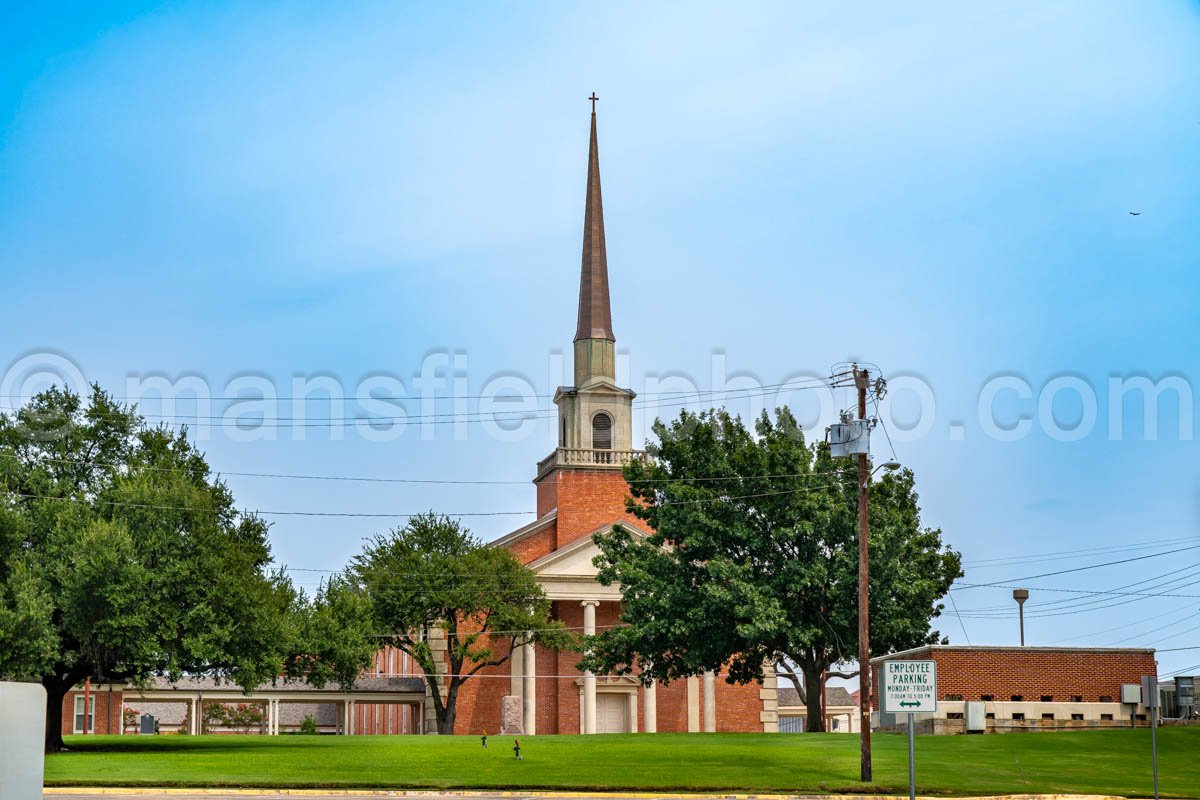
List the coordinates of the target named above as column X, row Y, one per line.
column 593, row 98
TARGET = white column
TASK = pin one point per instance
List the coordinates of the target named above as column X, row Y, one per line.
column 710, row 702
column 650, row 712
column 693, row 704
column 589, row 677
column 348, row 718
column 516, row 665
column 633, row 711
column 529, row 690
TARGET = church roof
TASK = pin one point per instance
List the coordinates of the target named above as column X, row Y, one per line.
column 595, row 314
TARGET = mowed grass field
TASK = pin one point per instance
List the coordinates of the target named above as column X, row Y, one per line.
column 1090, row 762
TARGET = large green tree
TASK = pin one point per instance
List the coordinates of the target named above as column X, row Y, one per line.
column 122, row 557
column 455, row 605
column 753, row 559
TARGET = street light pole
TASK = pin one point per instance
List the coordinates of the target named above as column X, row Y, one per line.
column 1021, row 595
column 864, row 644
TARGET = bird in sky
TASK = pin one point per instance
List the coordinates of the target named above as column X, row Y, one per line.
column 1135, row 213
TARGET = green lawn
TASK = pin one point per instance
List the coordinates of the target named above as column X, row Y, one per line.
column 1091, row 762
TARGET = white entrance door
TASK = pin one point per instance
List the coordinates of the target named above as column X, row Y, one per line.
column 612, row 712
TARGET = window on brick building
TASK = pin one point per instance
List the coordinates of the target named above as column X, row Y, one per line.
column 1018, row 717
column 953, row 697
column 1106, row 717
column 989, row 715
column 91, row 714
column 1076, row 698
column 1106, row 698
column 987, row 698
column 602, row 431
column 1141, row 717
column 1048, row 716
column 1047, row 698
column 954, row 715
column 1016, row 698
column 1077, row 717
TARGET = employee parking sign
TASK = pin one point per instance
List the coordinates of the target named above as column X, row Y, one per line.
column 909, row 687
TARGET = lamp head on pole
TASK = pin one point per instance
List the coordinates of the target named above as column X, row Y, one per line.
column 1020, row 595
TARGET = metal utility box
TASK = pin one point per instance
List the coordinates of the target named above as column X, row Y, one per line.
column 975, row 717
column 146, row 724
column 1150, row 691
column 850, row 438
column 1131, row 693
column 1185, row 691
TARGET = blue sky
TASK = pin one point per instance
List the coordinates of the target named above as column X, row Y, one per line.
column 226, row 190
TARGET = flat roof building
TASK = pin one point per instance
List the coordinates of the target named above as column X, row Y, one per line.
column 1012, row 688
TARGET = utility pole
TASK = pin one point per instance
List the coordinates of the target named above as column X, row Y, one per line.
column 861, row 382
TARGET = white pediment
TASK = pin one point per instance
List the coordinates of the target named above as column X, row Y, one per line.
column 568, row 573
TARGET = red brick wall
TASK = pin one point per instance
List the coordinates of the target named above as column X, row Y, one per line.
column 531, row 548
column 107, row 714
column 1032, row 672
column 479, row 698
column 547, row 493
column 738, row 707
column 588, row 499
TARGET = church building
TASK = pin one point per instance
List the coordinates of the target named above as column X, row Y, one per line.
column 581, row 492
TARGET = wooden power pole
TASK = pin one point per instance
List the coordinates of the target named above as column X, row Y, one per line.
column 861, row 382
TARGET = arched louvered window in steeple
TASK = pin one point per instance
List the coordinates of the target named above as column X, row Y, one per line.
column 602, row 431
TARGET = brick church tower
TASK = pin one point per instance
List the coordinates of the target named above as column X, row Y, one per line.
column 581, row 492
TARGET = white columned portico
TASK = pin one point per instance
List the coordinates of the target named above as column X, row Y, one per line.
column 589, row 677
column 529, row 689
column 650, row 712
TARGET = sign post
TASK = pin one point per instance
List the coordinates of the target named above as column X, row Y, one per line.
column 910, row 687
column 1150, row 701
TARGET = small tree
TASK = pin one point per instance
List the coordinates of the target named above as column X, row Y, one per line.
column 431, row 582
column 129, row 719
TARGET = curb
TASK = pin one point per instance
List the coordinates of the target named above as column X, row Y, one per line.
column 432, row 793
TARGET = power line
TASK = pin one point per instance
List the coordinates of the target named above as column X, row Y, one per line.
column 445, row 481
column 1073, row 591
column 453, row 416
column 126, row 504
column 438, row 396
column 1064, row 555
column 1076, row 605
column 1119, row 627
column 1080, row 569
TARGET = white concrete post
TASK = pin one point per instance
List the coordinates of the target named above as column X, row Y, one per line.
column 650, row 701
column 633, row 711
column 529, row 690
column 22, row 737
column 589, row 677
column 710, row 702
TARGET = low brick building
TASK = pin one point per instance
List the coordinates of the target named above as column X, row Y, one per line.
column 1026, row 688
